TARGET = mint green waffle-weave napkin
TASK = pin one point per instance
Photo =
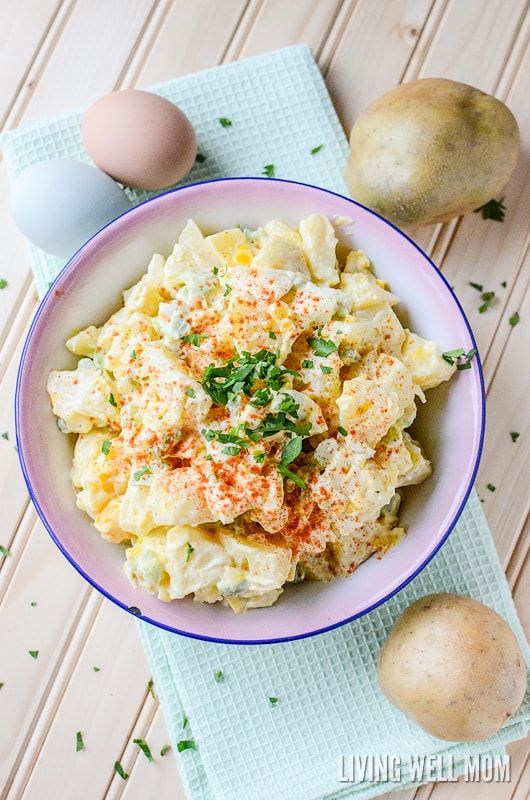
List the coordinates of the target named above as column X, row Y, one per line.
column 299, row 720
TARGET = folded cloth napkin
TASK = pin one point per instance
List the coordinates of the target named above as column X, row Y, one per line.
column 295, row 720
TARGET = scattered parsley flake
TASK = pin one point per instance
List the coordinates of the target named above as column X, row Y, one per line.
column 272, row 335
column 321, row 347
column 227, row 290
column 491, row 487
column 1, row 684
column 342, row 430
column 151, row 687
column 112, row 401
column 218, row 675
column 459, row 357
column 286, row 472
column 268, row 170
column 504, row 284
column 487, row 298
column 325, row 370
column 190, row 391
column 189, row 551
column 307, row 364
column 291, row 450
column 273, row 700
column 259, row 457
column 34, row 653
column 144, row 747
column 33, row 603
column 186, row 744
column 3, row 283
column 317, row 149
column 105, row 447
column 514, row 436
column 225, row 122
column 478, row 286
column 184, row 722
column 5, row 551
column 140, row 473
column 200, row 158
column 515, row 319
column 493, row 209
column 96, row 669
column 133, row 355
column 79, row 741
column 119, row 769
column 5, row 435
column 165, row 749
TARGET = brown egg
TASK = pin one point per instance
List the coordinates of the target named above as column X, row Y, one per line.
column 139, row 138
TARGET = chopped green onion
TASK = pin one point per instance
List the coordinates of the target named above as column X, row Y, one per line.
column 186, row 744
column 119, row 769
column 144, row 747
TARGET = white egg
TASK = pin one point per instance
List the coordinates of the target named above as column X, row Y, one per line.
column 59, row 204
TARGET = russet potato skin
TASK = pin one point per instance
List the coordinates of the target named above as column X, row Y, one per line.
column 454, row 667
column 430, row 150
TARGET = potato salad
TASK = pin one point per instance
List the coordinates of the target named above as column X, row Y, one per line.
column 241, row 422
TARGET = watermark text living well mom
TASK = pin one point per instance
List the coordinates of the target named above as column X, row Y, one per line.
column 485, row 768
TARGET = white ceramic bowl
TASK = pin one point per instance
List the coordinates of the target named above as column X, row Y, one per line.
column 89, row 289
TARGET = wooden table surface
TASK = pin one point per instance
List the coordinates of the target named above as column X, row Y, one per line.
column 88, row 672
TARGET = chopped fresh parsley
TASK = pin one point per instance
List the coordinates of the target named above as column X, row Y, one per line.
column 225, row 122
column 273, row 700
column 291, row 450
column 268, row 170
column 287, row 473
column 105, row 447
column 140, row 473
column 307, row 364
column 255, row 375
column 514, row 436
column 3, row 283
column 5, row 435
column 5, row 551
column 491, row 487
column 1, row 684
column 515, row 319
column 487, row 298
column 478, row 286
column 342, row 430
column 133, row 355
column 96, row 669
column 186, row 744
column 119, row 769
column 218, row 675
column 189, row 551
column 272, row 335
column 112, row 401
column 165, row 749
column 194, row 338
column 317, row 149
column 184, row 722
column 321, row 347
column 144, row 747
column 79, row 741
column 227, row 290
column 493, row 209
column 459, row 357
column 325, row 370
column 34, row 653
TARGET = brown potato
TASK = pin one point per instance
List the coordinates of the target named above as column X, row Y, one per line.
column 430, row 150
column 454, row 666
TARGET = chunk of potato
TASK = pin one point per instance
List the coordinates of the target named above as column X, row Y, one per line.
column 453, row 666
column 430, row 150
